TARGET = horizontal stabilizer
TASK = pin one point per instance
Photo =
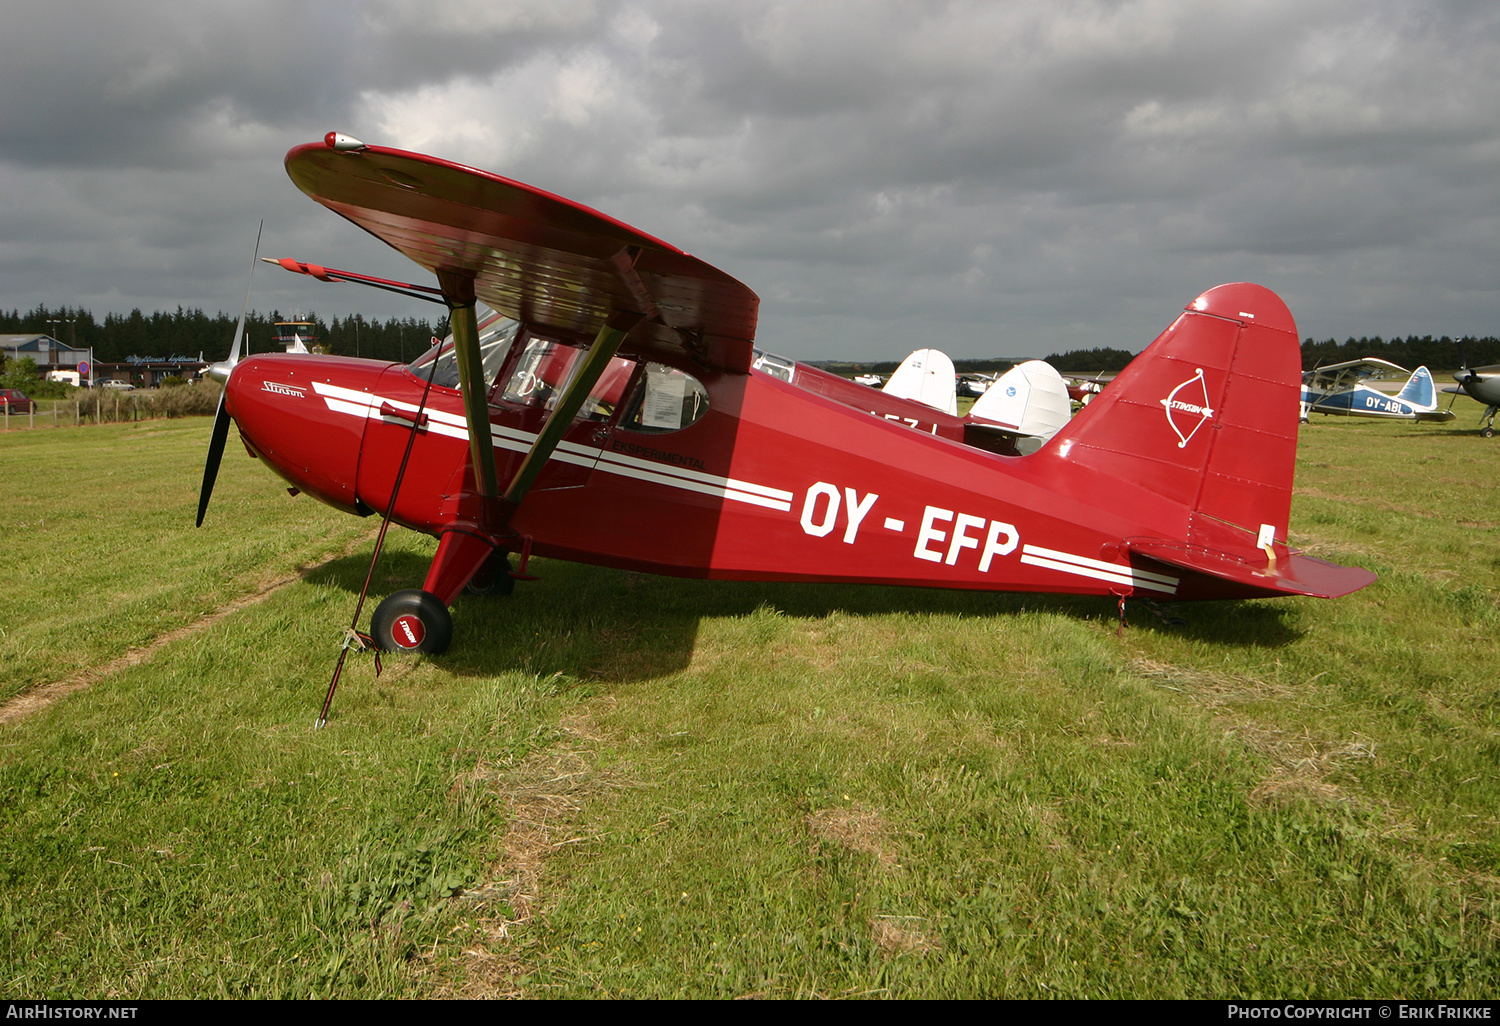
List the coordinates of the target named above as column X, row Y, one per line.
column 1291, row 573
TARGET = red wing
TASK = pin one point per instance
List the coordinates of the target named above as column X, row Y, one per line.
column 553, row 264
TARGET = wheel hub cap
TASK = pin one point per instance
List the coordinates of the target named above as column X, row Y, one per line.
column 408, row 631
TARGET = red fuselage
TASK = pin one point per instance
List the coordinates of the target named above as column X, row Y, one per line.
column 772, row 481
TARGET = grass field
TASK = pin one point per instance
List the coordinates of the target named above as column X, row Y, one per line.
column 620, row 785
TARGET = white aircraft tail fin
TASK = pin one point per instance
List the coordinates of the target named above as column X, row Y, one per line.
column 1030, row 399
column 926, row 377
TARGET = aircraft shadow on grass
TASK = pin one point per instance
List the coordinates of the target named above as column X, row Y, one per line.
column 603, row 624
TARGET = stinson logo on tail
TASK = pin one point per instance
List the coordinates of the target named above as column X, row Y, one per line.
column 1186, row 415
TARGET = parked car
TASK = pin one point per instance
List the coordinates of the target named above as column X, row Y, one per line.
column 15, row 400
column 123, row 386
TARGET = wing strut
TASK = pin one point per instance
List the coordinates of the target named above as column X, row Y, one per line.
column 606, row 344
column 458, row 290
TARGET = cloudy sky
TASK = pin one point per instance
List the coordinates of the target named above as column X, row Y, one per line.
column 993, row 178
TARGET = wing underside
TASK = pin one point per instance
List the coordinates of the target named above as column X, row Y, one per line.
column 559, row 267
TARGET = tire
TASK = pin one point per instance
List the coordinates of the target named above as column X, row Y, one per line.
column 412, row 621
column 1488, row 432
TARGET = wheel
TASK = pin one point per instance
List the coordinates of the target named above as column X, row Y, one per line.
column 1488, row 432
column 412, row 620
column 493, row 578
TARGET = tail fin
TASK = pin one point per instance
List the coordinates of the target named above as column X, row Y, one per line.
column 1030, row 399
column 926, row 376
column 1419, row 389
column 1205, row 422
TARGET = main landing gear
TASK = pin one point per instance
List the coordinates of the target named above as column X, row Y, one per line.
column 414, row 620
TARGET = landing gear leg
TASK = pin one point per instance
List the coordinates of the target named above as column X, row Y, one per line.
column 462, row 553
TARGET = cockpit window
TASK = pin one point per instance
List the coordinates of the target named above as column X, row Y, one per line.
column 670, row 400
column 496, row 334
column 546, row 367
column 541, row 373
column 610, row 389
column 776, row 366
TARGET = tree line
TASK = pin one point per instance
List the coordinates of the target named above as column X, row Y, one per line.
column 189, row 332
column 1411, row 352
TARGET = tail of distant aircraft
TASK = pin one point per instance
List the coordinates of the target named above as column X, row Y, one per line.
column 1202, row 428
column 1419, row 389
column 1030, row 400
column 926, row 376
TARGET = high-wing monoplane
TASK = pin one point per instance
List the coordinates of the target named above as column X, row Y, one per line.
column 615, row 410
column 1482, row 384
column 973, row 385
column 1342, row 389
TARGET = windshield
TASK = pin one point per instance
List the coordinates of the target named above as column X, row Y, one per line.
column 496, row 333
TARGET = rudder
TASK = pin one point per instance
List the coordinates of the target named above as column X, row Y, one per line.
column 1205, row 418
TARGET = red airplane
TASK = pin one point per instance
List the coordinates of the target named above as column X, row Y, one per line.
column 615, row 411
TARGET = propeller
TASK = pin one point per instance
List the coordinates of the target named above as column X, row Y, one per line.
column 221, row 415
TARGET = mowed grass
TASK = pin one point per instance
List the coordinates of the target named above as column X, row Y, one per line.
column 620, row 785
column 99, row 551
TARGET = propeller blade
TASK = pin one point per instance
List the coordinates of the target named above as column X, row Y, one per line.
column 239, row 329
column 221, row 415
column 215, row 454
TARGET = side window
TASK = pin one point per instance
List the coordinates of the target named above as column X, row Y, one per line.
column 608, row 390
column 546, row 367
column 669, row 400
column 541, row 373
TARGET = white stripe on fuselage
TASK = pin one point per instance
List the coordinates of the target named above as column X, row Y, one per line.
column 1114, row 573
column 363, row 404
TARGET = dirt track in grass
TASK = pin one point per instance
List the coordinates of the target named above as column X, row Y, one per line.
column 44, row 695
